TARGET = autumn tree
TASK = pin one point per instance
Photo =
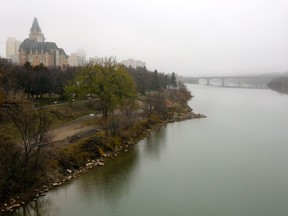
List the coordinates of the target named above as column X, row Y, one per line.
column 108, row 80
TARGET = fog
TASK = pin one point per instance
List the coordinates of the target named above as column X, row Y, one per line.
column 189, row 37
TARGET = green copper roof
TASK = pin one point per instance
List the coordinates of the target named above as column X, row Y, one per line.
column 30, row 46
column 35, row 26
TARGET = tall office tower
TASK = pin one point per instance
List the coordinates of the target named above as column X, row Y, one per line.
column 12, row 48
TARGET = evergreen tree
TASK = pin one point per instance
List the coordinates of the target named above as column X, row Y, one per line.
column 155, row 86
column 173, row 82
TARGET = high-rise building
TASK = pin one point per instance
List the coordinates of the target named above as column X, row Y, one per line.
column 133, row 63
column 74, row 60
column 77, row 59
column 36, row 51
column 12, row 47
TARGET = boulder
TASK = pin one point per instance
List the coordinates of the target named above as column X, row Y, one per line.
column 56, row 184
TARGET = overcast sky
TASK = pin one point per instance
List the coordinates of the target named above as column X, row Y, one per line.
column 189, row 37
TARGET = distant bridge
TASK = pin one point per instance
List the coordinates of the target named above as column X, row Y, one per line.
column 249, row 81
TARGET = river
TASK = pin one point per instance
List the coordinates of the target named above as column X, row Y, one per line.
column 234, row 163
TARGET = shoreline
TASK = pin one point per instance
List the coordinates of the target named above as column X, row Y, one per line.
column 32, row 195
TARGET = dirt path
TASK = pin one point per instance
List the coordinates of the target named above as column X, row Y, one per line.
column 71, row 128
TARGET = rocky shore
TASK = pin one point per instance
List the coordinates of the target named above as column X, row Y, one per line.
column 71, row 174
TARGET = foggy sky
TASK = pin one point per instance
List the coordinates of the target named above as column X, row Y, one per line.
column 189, row 37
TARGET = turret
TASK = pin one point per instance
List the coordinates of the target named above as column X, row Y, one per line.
column 35, row 32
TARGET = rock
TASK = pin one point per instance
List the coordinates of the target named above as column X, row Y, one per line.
column 69, row 171
column 9, row 208
column 101, row 164
column 55, row 184
column 88, row 164
column 16, row 205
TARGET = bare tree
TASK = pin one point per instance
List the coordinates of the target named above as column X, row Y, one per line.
column 33, row 130
column 154, row 104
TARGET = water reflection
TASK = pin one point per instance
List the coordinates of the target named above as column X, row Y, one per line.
column 100, row 187
column 109, row 182
column 40, row 207
column 103, row 185
column 155, row 144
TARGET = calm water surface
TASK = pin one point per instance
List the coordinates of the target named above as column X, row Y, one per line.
column 235, row 162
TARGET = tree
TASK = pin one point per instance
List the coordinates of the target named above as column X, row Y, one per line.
column 10, row 167
column 1, row 97
column 32, row 127
column 154, row 103
column 8, row 78
column 108, row 80
column 173, row 80
column 22, row 145
column 155, row 85
column 279, row 84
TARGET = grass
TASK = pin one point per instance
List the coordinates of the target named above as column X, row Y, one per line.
column 63, row 114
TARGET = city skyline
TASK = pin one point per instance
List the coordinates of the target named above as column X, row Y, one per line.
column 186, row 37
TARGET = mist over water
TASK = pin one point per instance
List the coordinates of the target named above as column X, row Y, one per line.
column 234, row 162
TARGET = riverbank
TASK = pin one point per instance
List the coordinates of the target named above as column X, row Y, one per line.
column 68, row 175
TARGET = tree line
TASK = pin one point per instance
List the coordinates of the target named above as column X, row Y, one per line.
column 35, row 81
column 39, row 80
column 279, row 84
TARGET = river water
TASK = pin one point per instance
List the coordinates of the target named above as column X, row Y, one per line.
column 234, row 162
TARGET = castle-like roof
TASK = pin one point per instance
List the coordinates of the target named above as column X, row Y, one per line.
column 32, row 47
column 35, row 26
